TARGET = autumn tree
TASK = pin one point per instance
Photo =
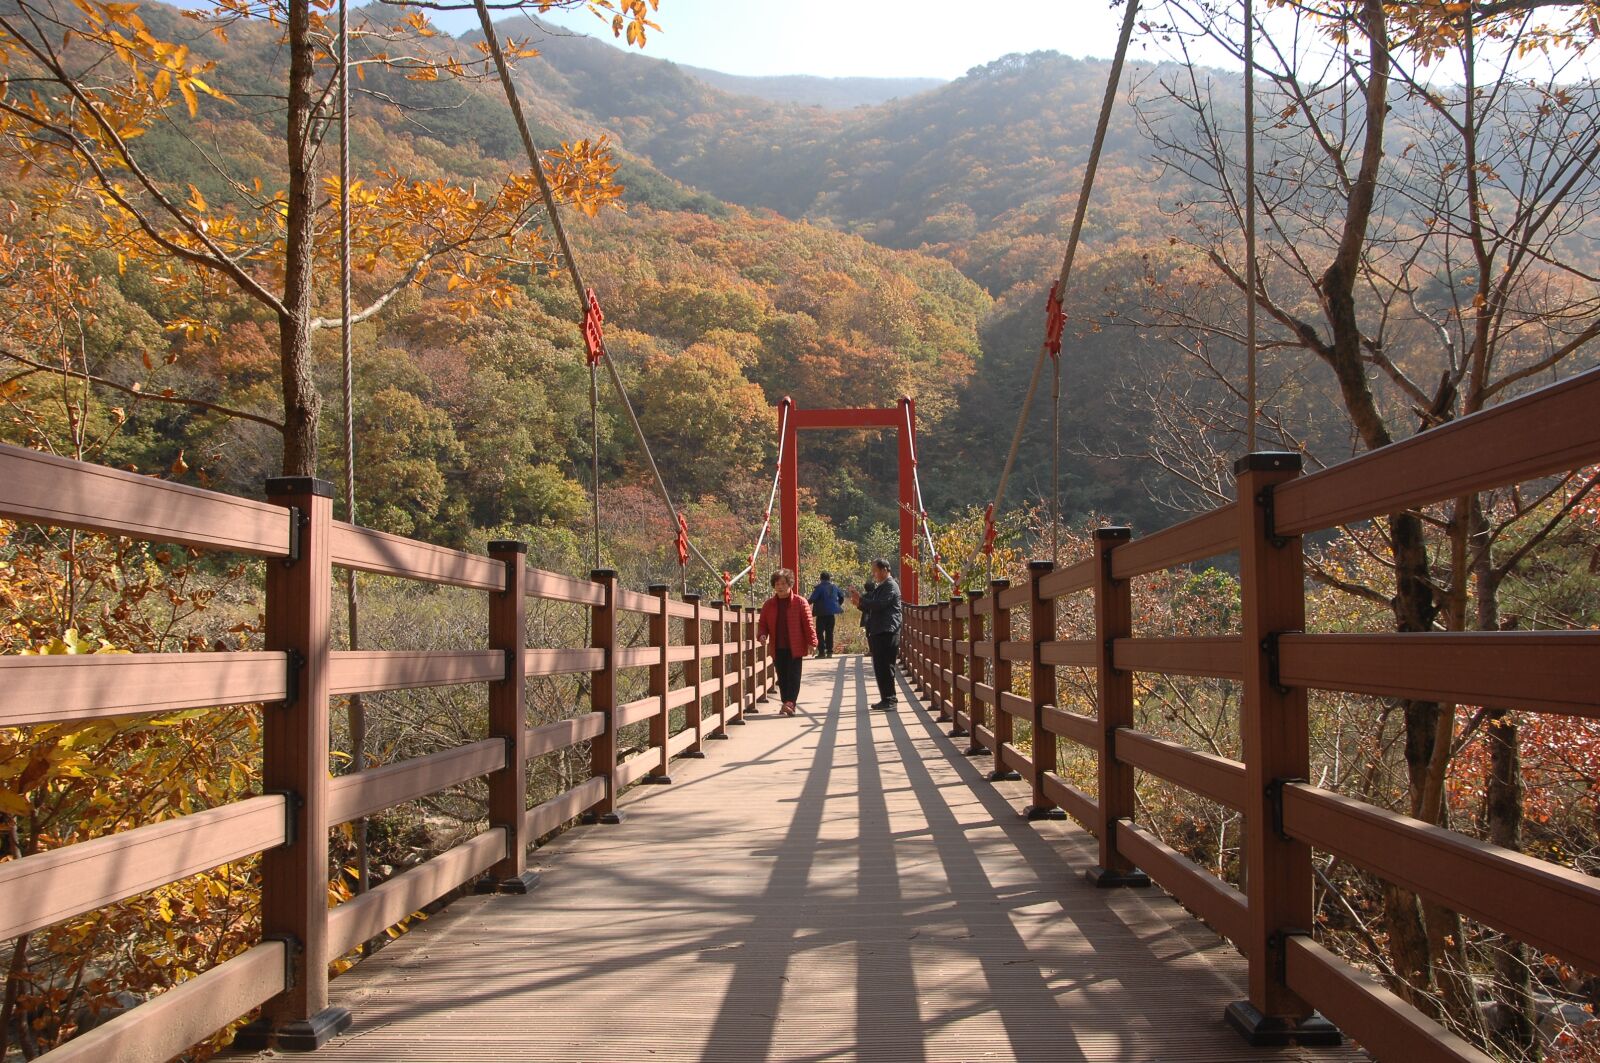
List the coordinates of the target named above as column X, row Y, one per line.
column 86, row 82
column 1419, row 256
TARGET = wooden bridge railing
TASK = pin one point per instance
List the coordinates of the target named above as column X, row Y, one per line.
column 961, row 654
column 293, row 680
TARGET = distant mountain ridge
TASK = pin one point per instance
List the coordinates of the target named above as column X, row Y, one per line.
column 974, row 170
column 837, row 93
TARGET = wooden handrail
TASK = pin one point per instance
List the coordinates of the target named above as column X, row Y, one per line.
column 296, row 677
column 41, row 488
column 1549, row 432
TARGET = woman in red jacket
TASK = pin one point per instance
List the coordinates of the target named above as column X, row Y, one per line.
column 787, row 626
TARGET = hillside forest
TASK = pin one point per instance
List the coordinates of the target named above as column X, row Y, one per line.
column 1427, row 194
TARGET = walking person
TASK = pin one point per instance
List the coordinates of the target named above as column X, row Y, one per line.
column 787, row 626
column 827, row 602
column 881, row 613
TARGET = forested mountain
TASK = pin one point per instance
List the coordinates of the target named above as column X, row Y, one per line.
column 991, row 156
column 837, row 93
column 982, row 172
column 715, row 312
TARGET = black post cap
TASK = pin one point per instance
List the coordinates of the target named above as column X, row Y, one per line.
column 1041, row 566
column 507, row 546
column 659, row 588
column 298, row 485
column 1268, row 461
column 1113, row 533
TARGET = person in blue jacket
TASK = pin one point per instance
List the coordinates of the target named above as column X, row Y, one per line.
column 827, row 602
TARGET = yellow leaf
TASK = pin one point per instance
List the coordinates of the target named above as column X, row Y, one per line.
column 14, row 804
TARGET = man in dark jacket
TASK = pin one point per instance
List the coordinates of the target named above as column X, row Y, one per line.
column 827, row 602
column 880, row 610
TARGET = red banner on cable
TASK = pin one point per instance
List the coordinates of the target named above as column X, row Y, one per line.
column 593, row 335
column 683, row 541
column 1055, row 321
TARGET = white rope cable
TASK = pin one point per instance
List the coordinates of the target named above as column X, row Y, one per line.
column 772, row 496
column 921, row 513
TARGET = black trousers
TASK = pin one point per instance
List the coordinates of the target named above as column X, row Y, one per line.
column 788, row 666
column 825, row 633
column 885, row 647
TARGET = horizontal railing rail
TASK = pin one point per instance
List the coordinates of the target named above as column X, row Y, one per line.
column 293, row 681
column 961, row 655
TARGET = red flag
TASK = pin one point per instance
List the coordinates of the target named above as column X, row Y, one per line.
column 1055, row 321
column 727, row 589
column 593, row 335
column 988, row 530
column 683, row 541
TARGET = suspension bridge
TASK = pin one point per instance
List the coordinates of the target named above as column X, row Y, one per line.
column 839, row 885
column 835, row 885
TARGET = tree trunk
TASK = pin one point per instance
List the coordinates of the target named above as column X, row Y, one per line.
column 1414, row 602
column 1512, row 1027
column 302, row 404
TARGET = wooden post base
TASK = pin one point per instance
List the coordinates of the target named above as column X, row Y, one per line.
column 1270, row 1031
column 516, row 884
column 297, row 1035
column 1106, row 879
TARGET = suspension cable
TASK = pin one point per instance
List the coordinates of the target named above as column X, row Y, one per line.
column 514, row 100
column 1064, row 276
column 357, row 708
column 1250, row 266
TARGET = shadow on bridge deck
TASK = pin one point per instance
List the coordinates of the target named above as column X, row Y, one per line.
column 833, row 886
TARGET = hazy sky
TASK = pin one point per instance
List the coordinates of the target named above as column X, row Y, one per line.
column 840, row 38
column 907, row 38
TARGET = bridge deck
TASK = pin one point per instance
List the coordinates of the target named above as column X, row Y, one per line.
column 828, row 887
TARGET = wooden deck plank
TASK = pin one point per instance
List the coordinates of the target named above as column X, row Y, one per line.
column 837, row 886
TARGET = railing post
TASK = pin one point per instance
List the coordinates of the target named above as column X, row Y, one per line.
column 930, row 653
column 947, row 626
column 747, row 655
column 691, row 636
column 1004, row 730
column 732, row 617
column 1274, row 737
column 1041, row 689
column 922, row 676
column 1113, row 619
column 958, row 667
column 508, row 787
column 975, row 748
column 744, row 629
column 603, row 696
column 741, row 702
column 294, row 750
column 719, row 665
column 660, row 625
column 764, row 670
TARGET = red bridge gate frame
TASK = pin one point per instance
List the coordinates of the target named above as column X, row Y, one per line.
column 903, row 418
